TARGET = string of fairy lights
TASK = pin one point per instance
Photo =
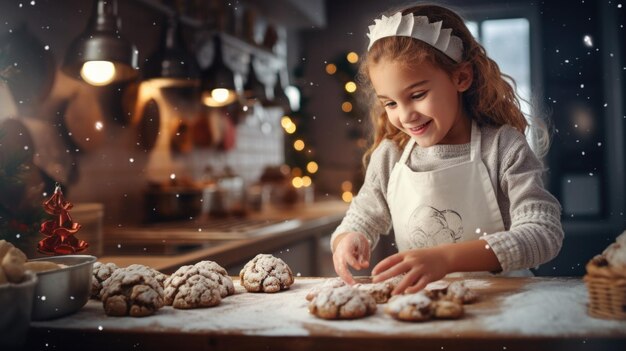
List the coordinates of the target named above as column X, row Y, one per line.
column 300, row 178
column 344, row 69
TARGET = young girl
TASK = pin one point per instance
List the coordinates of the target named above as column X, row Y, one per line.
column 450, row 169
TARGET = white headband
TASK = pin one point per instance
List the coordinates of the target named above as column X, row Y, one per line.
column 417, row 27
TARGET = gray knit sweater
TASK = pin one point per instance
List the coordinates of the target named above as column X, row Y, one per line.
column 530, row 213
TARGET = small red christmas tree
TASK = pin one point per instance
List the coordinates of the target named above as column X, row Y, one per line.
column 60, row 239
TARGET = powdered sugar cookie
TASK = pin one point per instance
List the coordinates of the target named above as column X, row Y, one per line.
column 217, row 273
column 184, row 288
column 193, row 292
column 457, row 291
column 381, row 292
column 101, row 272
column 327, row 284
column 160, row 277
column 344, row 302
column 133, row 292
column 445, row 309
column 413, row 307
column 13, row 264
column 266, row 273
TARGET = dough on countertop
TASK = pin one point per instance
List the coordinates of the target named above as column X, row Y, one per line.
column 132, row 292
column 266, row 273
column 344, row 302
column 101, row 272
column 201, row 285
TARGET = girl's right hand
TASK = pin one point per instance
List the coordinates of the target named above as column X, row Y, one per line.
column 352, row 249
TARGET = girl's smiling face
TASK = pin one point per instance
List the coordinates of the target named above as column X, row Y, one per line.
column 423, row 101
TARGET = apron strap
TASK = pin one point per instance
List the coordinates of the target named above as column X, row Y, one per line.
column 475, row 142
column 407, row 151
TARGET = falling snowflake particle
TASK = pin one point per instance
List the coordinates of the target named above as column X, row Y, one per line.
column 588, row 41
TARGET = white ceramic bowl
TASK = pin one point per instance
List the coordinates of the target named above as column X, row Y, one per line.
column 16, row 302
column 63, row 291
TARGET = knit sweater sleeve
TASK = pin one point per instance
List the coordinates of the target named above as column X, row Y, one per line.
column 368, row 212
column 535, row 235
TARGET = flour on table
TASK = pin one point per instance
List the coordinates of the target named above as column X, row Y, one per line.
column 548, row 308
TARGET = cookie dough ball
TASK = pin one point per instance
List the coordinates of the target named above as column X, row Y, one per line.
column 413, row 308
column 217, row 273
column 201, row 285
column 328, row 283
column 445, row 309
column 616, row 256
column 266, row 273
column 131, row 292
column 381, row 292
column 195, row 292
column 101, row 272
column 458, row 292
column 12, row 264
column 160, row 277
column 344, row 302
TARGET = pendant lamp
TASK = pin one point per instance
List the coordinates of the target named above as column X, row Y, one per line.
column 100, row 55
column 278, row 97
column 172, row 64
column 253, row 89
column 218, row 81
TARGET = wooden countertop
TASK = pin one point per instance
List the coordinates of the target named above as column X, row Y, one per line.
column 511, row 314
column 221, row 245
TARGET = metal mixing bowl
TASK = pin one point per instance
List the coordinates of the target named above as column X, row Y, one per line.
column 63, row 291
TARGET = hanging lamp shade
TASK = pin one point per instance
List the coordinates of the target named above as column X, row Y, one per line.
column 218, row 81
column 253, row 89
column 278, row 97
column 172, row 64
column 100, row 55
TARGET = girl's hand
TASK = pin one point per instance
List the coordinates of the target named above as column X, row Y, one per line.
column 421, row 266
column 352, row 249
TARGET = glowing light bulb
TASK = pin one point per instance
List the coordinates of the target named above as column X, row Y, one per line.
column 346, row 106
column 285, row 121
column 98, row 73
column 350, row 87
column 297, row 182
column 220, row 95
column 352, row 57
column 312, row 167
column 331, row 69
column 298, row 145
column 346, row 196
column 306, row 181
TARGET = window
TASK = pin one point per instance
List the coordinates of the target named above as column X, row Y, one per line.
column 507, row 41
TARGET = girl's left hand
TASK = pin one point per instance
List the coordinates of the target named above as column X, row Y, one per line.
column 421, row 266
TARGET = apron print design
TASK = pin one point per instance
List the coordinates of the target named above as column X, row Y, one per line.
column 429, row 227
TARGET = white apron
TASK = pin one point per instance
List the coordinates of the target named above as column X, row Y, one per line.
column 448, row 205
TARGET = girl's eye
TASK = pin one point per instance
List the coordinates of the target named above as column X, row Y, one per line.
column 389, row 104
column 418, row 96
